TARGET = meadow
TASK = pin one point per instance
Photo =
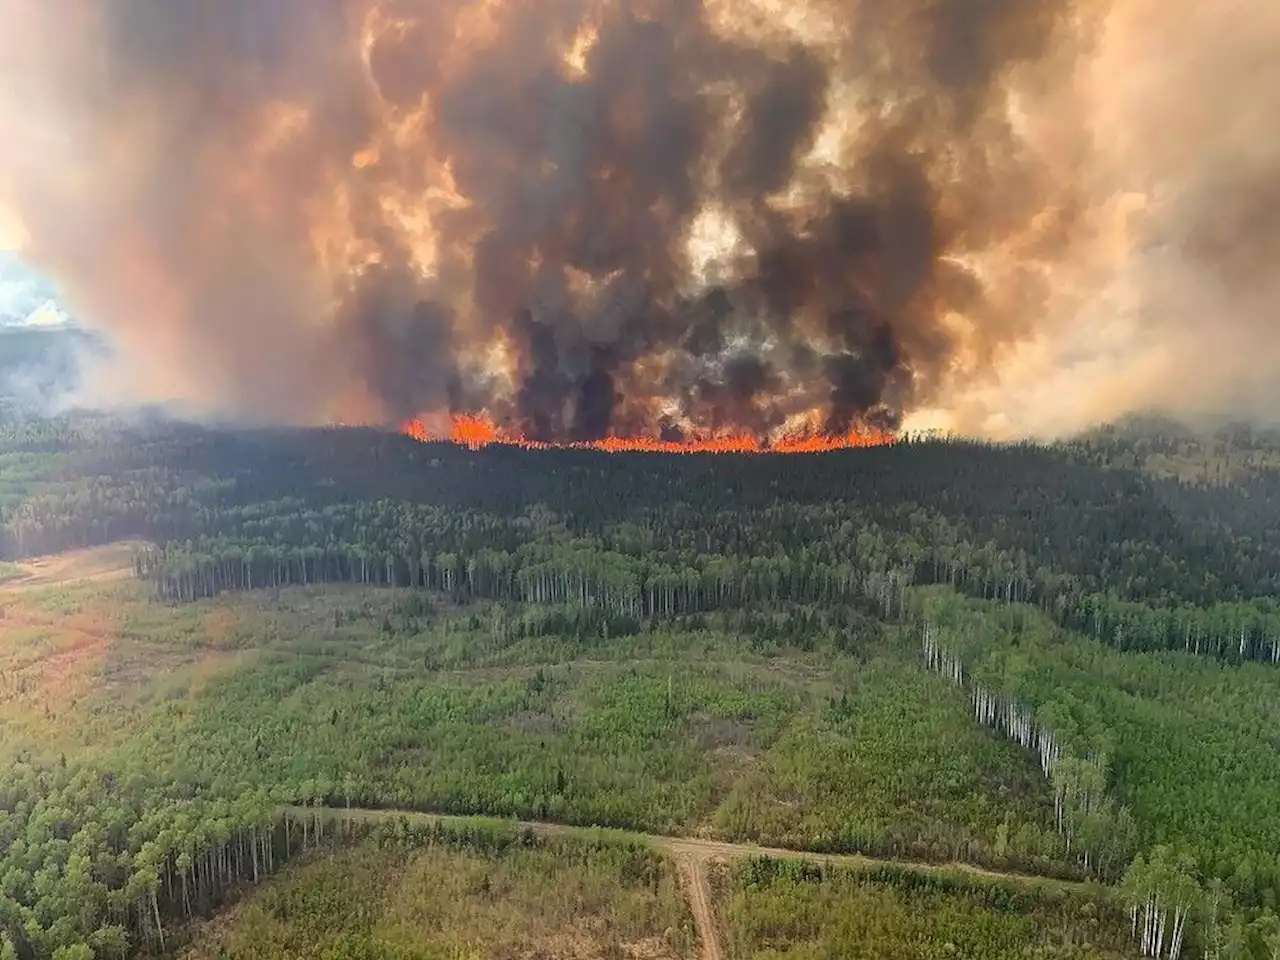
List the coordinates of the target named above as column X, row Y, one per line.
column 381, row 698
column 452, row 897
column 788, row 909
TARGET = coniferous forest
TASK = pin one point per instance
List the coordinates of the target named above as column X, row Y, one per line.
column 233, row 657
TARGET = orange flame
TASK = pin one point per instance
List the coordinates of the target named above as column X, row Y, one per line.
column 477, row 430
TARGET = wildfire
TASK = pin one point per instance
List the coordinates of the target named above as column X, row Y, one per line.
column 476, row 430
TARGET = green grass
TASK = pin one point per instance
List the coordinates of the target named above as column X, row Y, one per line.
column 779, row 909
column 344, row 696
column 73, row 680
column 370, row 694
column 229, row 707
column 895, row 757
column 562, row 898
column 373, row 697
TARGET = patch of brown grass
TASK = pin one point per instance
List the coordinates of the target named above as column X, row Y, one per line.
column 222, row 626
column 113, row 561
column 76, row 673
column 543, row 903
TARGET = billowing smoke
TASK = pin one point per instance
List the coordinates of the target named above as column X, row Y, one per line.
column 607, row 216
column 1170, row 299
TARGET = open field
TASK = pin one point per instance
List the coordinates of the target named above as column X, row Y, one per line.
column 81, row 664
column 794, row 909
column 365, row 693
column 714, row 879
column 565, row 900
column 357, row 692
column 674, row 731
column 703, row 899
column 671, row 731
column 112, row 561
column 698, row 859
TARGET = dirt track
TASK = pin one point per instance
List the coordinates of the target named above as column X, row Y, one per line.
column 698, row 889
column 693, row 856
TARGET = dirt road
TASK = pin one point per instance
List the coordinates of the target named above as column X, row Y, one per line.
column 698, row 889
column 693, row 856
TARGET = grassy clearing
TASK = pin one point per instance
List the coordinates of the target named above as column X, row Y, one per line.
column 894, row 755
column 560, row 900
column 784, row 909
column 77, row 679
column 403, row 700
column 113, row 561
column 376, row 697
column 345, row 693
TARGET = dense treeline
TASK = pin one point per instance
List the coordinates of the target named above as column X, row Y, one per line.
column 1187, row 747
column 1099, row 548
column 101, row 864
column 676, row 562
column 1096, row 830
column 84, row 479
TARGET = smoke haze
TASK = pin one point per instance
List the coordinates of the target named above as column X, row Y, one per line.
column 651, row 217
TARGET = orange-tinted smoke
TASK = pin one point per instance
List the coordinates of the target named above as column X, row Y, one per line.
column 593, row 219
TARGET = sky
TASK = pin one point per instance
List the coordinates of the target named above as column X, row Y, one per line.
column 26, row 297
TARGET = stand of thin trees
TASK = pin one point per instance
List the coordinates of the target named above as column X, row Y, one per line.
column 1094, row 828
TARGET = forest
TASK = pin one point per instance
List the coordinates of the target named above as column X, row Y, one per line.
column 1048, row 661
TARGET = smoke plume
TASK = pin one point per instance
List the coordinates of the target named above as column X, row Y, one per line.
column 651, row 217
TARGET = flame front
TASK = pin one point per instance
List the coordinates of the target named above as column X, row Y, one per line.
column 477, row 431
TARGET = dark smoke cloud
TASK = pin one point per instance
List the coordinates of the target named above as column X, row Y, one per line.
column 306, row 209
